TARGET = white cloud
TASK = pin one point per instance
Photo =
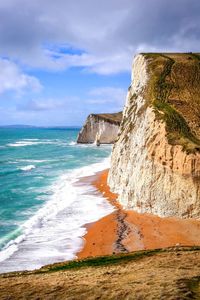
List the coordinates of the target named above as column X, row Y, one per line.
column 111, row 95
column 13, row 79
column 42, row 105
column 108, row 32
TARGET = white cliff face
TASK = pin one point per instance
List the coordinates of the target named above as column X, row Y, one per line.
column 149, row 174
column 94, row 128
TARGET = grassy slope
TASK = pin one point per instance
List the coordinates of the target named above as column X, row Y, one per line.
column 174, row 91
column 112, row 118
column 158, row 274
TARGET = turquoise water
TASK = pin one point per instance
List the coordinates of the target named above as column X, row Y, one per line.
column 38, row 168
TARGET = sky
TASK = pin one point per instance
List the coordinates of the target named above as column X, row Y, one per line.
column 62, row 60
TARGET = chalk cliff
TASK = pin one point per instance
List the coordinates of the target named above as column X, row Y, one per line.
column 101, row 127
column 155, row 165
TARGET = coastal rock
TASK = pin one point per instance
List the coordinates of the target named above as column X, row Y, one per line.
column 100, row 129
column 155, row 164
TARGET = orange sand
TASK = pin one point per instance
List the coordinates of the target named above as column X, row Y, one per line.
column 138, row 231
column 101, row 236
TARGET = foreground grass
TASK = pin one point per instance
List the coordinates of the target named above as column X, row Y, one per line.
column 171, row 273
column 99, row 261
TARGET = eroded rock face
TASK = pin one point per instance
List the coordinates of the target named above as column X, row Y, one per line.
column 100, row 128
column 151, row 173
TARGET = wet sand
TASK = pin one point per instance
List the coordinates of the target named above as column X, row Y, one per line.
column 127, row 230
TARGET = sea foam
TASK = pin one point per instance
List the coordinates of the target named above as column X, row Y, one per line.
column 35, row 142
column 55, row 232
column 27, row 168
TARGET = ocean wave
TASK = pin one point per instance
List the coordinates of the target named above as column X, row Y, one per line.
column 54, row 233
column 22, row 144
column 32, row 160
column 72, row 143
column 27, row 168
column 34, row 142
column 10, row 247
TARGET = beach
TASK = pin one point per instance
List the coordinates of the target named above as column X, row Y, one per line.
column 126, row 230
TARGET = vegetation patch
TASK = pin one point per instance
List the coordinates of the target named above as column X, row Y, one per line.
column 178, row 131
column 195, row 55
column 166, row 74
column 194, row 287
column 99, row 261
column 114, row 118
column 190, row 288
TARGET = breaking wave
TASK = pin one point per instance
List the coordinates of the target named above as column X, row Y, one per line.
column 54, row 233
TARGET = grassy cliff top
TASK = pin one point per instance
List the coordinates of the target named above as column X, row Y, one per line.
column 112, row 118
column 174, row 91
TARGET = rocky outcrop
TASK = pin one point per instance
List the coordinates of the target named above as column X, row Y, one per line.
column 100, row 128
column 155, row 164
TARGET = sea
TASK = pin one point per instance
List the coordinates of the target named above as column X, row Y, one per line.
column 43, row 205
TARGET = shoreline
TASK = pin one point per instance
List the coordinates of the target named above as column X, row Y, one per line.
column 123, row 230
column 101, row 235
column 70, row 206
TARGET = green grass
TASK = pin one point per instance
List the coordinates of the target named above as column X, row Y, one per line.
column 98, row 261
column 194, row 286
column 177, row 128
column 161, row 85
column 114, row 118
column 195, row 55
column 163, row 88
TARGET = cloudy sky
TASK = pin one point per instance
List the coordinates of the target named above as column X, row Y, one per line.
column 61, row 60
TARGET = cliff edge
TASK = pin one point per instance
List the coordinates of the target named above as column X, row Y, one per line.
column 155, row 165
column 101, row 128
